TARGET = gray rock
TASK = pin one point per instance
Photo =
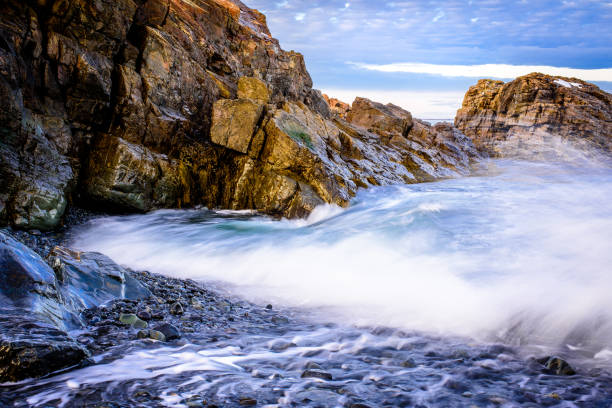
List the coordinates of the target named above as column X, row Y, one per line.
column 314, row 373
column 132, row 320
column 168, row 330
column 176, row 309
column 556, row 365
column 32, row 348
column 90, row 279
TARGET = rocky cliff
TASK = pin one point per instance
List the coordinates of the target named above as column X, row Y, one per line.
column 532, row 111
column 133, row 105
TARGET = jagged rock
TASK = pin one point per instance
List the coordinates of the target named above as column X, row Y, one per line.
column 253, row 88
column 234, row 123
column 385, row 120
column 524, row 116
column 337, row 106
column 138, row 105
column 130, row 176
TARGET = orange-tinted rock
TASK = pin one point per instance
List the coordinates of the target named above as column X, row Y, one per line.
column 525, row 115
column 337, row 106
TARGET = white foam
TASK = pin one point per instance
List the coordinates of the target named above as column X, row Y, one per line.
column 523, row 255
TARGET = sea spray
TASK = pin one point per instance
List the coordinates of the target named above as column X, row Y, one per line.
column 520, row 254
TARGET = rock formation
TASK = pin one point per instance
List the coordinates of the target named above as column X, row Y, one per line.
column 508, row 118
column 337, row 106
column 40, row 304
column 133, row 105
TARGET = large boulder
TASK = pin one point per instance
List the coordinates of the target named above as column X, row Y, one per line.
column 386, row 120
column 527, row 115
column 39, row 305
column 30, row 347
column 27, row 282
column 90, row 279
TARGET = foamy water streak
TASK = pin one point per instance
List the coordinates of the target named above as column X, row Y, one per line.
column 522, row 254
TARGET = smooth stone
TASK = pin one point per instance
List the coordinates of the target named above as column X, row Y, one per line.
column 132, row 320
column 151, row 334
column 323, row 375
column 168, row 330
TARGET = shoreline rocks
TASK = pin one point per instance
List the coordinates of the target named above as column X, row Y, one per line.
column 535, row 113
column 57, row 311
column 113, row 106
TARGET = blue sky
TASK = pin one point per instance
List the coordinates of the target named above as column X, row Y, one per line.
column 400, row 51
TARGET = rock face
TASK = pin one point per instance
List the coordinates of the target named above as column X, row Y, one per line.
column 133, row 105
column 337, row 106
column 504, row 119
column 39, row 304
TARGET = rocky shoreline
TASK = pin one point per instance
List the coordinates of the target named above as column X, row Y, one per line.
column 130, row 305
column 101, row 326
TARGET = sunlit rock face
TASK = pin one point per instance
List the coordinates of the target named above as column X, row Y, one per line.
column 504, row 119
column 137, row 105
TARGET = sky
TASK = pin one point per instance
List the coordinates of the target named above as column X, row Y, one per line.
column 424, row 55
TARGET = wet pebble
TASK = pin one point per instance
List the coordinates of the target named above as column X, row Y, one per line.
column 314, row 373
column 169, row 331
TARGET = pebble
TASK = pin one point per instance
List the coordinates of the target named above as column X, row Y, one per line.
column 168, row 330
column 132, row 320
column 247, row 402
column 176, row 309
column 323, row 375
column 151, row 334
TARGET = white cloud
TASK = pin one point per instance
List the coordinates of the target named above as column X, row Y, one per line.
column 438, row 16
column 490, row 70
column 300, row 16
column 474, row 20
column 422, row 104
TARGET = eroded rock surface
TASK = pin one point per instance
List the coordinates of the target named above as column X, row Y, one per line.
column 134, row 105
column 529, row 113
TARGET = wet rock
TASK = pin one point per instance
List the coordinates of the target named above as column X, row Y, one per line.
column 132, row 320
column 130, row 176
column 90, row 279
column 318, row 398
column 311, row 365
column 523, row 117
column 28, row 283
column 151, row 334
column 556, row 365
column 33, row 348
column 280, row 320
column 176, row 309
column 247, row 402
column 314, row 373
column 169, row 331
column 144, row 315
